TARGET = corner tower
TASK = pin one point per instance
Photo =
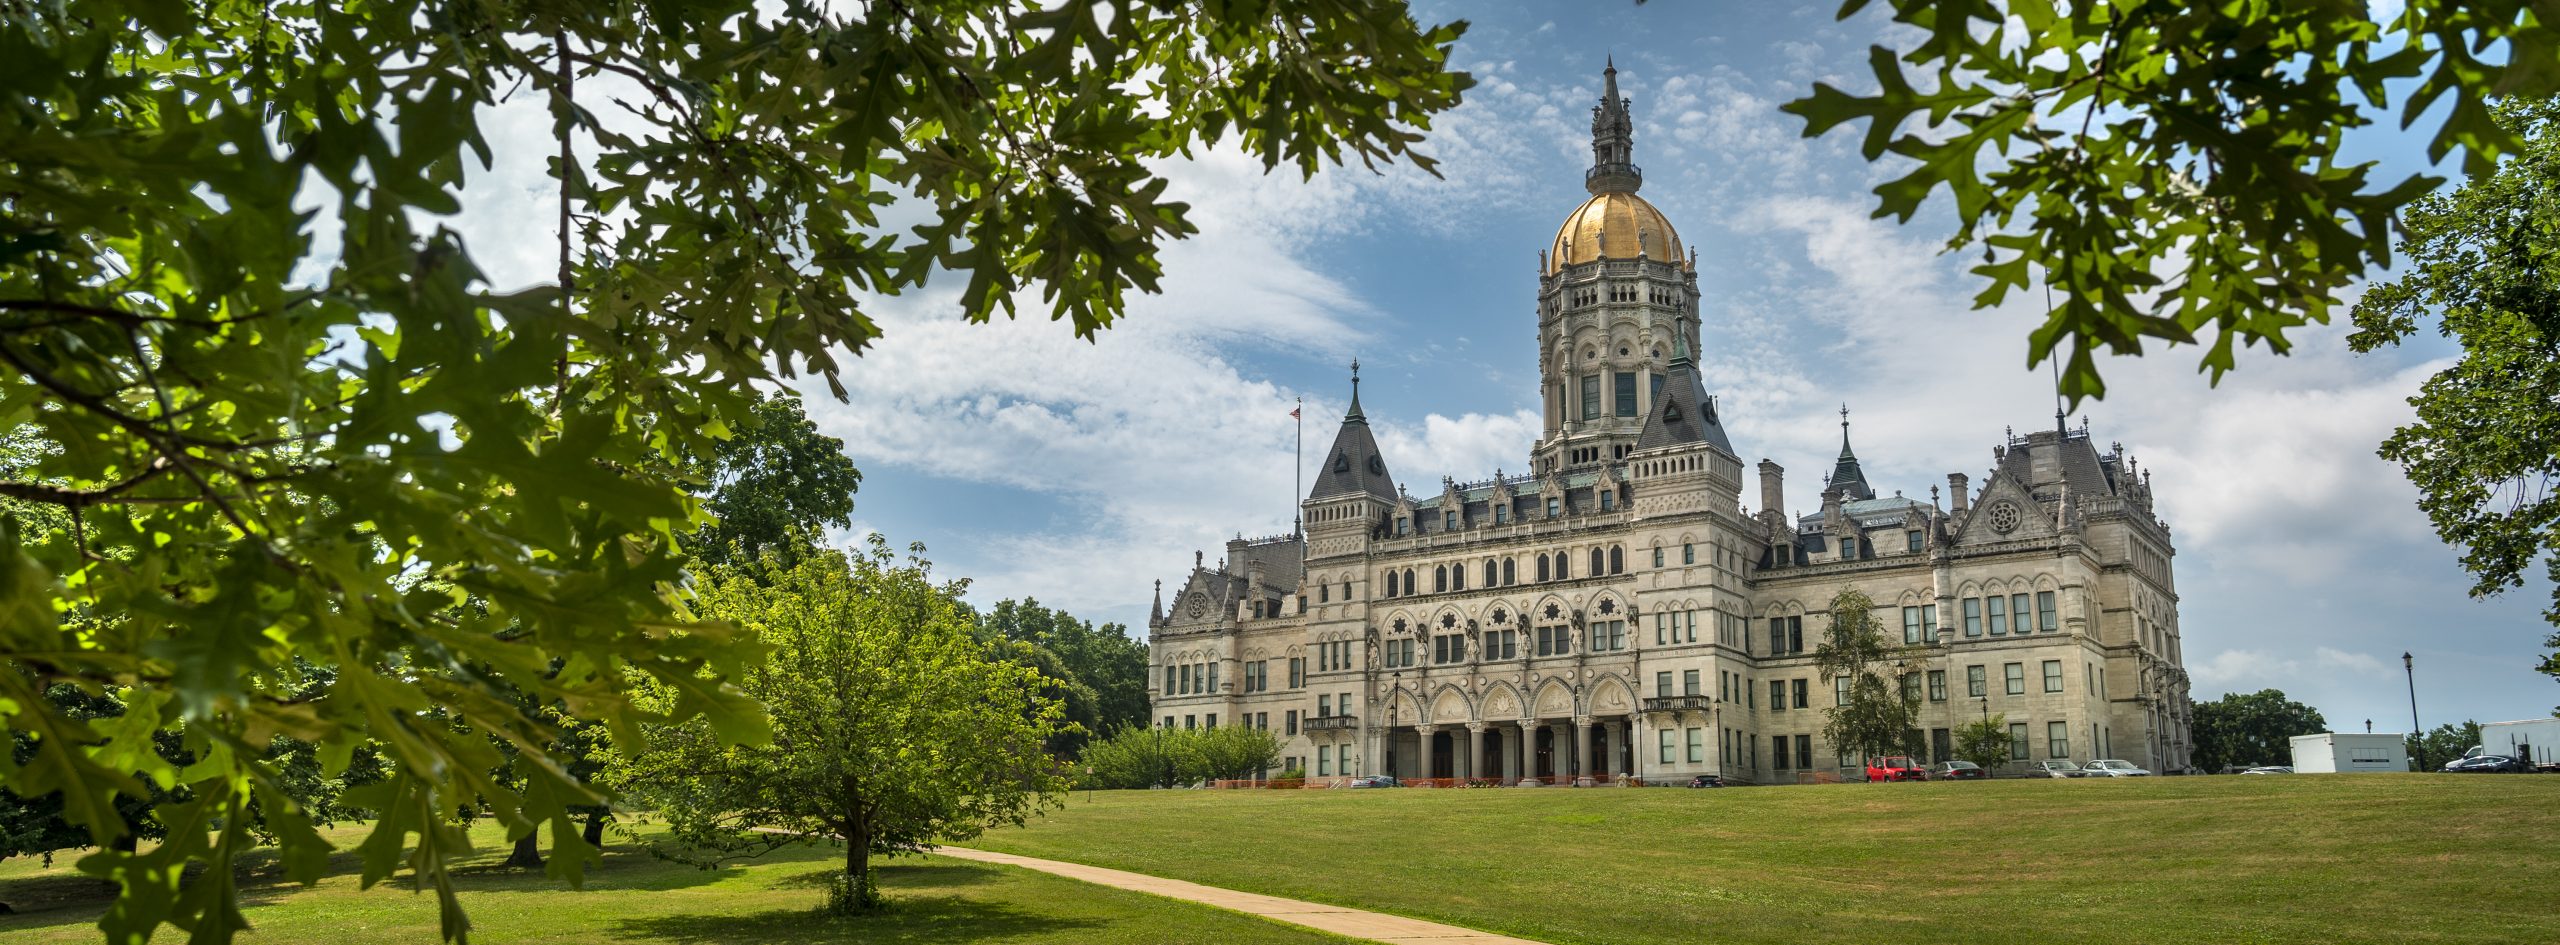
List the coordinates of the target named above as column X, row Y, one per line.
column 1615, row 294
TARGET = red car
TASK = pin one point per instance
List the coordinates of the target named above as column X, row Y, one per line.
column 1896, row 768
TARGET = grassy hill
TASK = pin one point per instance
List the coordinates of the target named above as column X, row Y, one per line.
column 2303, row 858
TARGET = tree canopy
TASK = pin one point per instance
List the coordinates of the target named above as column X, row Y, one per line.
column 2484, row 266
column 289, row 425
column 771, row 485
column 2171, row 171
column 2251, row 729
column 1104, row 660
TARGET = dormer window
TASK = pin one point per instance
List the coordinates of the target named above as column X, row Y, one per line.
column 1403, row 526
column 1848, row 548
column 1608, row 499
column 1449, row 521
column 1501, row 512
column 1555, row 508
column 1342, row 463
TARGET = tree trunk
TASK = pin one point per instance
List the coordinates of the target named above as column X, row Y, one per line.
column 595, row 828
column 527, row 855
column 856, row 895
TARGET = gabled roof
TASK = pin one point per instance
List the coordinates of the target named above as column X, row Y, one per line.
column 1353, row 466
column 1685, row 414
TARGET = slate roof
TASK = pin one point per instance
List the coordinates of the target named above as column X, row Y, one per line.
column 1283, row 560
column 1354, row 464
column 2083, row 468
column 1685, row 414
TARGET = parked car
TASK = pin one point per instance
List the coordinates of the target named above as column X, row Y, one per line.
column 2484, row 764
column 1375, row 781
column 2270, row 769
column 1957, row 771
column 1707, row 780
column 1896, row 768
column 2113, row 768
column 2054, row 769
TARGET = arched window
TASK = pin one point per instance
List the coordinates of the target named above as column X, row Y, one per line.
column 1564, row 566
column 1411, row 586
column 1391, row 584
column 1599, row 561
column 1323, row 592
column 1439, row 580
column 1508, row 574
column 1491, row 576
column 1346, row 590
column 1542, row 567
column 1457, row 577
column 1618, row 560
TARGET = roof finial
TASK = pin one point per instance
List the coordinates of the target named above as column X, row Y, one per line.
column 1355, row 413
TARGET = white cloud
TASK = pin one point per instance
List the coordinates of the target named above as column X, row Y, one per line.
column 2243, row 670
column 2332, row 658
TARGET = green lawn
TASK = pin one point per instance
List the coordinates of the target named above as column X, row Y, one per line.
column 636, row 899
column 2304, row 858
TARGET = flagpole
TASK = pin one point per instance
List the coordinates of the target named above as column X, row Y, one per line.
column 1295, row 524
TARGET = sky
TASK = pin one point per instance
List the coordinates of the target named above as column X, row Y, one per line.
column 1080, row 473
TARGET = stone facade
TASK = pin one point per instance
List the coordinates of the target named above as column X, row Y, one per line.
column 1616, row 610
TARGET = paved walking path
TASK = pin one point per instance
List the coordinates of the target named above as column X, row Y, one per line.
column 1339, row 920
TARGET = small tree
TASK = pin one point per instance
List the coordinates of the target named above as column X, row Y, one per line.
column 1881, row 717
column 1236, row 752
column 1136, row 757
column 892, row 727
column 1985, row 743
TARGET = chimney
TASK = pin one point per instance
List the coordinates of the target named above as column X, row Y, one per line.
column 1959, row 494
column 1772, row 485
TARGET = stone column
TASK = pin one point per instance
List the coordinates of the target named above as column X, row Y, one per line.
column 1617, row 747
column 1524, row 763
column 1422, row 733
column 1475, row 749
column 1582, row 745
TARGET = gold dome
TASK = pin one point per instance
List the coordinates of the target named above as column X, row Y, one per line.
column 1615, row 226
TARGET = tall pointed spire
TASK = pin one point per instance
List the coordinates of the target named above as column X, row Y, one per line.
column 1156, row 614
column 1353, row 464
column 1613, row 168
column 1846, row 478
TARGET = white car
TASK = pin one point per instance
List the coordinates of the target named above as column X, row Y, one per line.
column 2112, row 768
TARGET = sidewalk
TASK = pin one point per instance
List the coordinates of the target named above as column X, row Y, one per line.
column 1339, row 920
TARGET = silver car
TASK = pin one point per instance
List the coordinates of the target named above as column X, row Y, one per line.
column 2054, row 769
column 2113, row 768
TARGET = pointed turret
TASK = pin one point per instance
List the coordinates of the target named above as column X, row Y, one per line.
column 1353, row 465
column 1155, row 615
column 1684, row 413
column 1846, row 478
column 1613, row 167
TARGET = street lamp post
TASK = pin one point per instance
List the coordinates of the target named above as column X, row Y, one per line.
column 2409, row 665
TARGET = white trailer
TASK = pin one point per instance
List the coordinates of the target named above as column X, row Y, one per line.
column 2537, row 741
column 2332, row 752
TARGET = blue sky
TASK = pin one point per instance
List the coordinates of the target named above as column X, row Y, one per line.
column 1079, row 473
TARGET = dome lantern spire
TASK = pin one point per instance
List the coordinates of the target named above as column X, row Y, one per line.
column 1613, row 168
